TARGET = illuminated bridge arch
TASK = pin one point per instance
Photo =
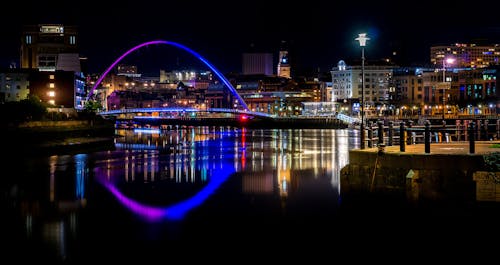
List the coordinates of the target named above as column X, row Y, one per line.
column 197, row 55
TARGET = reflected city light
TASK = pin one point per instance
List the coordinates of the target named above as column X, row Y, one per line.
column 206, row 156
column 143, row 130
column 178, row 210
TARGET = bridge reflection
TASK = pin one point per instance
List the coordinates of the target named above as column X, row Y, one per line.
column 266, row 161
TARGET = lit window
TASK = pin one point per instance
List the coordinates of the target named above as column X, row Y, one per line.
column 52, row 102
column 51, row 85
column 72, row 40
column 51, row 94
column 51, row 77
column 28, row 39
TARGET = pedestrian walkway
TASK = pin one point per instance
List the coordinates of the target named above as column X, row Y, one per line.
column 481, row 148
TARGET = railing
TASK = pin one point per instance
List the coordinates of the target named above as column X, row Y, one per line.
column 187, row 109
column 407, row 134
column 347, row 119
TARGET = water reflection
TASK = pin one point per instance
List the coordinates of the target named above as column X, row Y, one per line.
column 268, row 161
column 195, row 173
column 49, row 193
column 178, row 210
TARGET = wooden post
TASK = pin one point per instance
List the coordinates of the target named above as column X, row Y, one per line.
column 427, row 137
column 402, row 136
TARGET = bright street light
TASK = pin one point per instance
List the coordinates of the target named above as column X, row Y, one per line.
column 447, row 61
column 362, row 38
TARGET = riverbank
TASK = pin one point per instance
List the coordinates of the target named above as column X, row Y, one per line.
column 49, row 137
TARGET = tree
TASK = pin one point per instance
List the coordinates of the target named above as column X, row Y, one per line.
column 92, row 106
column 25, row 110
column 32, row 108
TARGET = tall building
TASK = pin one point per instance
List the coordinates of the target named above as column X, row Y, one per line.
column 284, row 63
column 257, row 63
column 50, row 47
column 466, row 55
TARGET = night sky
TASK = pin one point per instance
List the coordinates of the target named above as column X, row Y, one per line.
column 319, row 33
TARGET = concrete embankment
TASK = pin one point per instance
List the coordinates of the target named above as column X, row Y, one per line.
column 448, row 173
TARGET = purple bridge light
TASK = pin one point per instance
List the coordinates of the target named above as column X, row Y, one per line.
column 176, row 211
column 197, row 55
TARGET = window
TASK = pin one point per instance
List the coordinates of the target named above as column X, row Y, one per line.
column 51, row 77
column 52, row 85
column 28, row 39
column 72, row 40
column 18, row 87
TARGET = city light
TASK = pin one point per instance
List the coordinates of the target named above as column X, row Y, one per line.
column 448, row 61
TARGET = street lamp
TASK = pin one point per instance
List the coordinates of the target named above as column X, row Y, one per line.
column 362, row 38
column 446, row 61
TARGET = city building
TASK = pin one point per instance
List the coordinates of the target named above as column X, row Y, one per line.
column 50, row 47
column 50, row 51
column 432, row 80
column 257, row 63
column 127, row 70
column 190, row 78
column 284, row 67
column 14, row 85
column 60, row 89
column 477, row 86
column 407, row 86
column 466, row 55
column 347, row 83
column 326, row 91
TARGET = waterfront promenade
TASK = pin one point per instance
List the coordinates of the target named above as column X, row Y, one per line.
column 448, row 173
column 454, row 148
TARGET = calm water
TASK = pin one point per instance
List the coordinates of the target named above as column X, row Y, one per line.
column 159, row 192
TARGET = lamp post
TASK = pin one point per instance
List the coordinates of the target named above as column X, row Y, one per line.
column 445, row 61
column 362, row 38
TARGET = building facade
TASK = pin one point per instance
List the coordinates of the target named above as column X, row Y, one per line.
column 284, row 67
column 14, row 85
column 346, row 81
column 57, row 88
column 50, row 47
column 257, row 63
column 466, row 55
column 407, row 86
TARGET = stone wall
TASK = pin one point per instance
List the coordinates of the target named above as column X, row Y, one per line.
column 417, row 176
